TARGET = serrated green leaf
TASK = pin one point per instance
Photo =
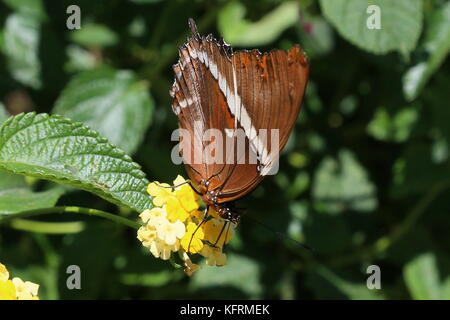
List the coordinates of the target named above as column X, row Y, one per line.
column 21, row 45
column 343, row 184
column 112, row 102
column 422, row 277
column 436, row 47
column 94, row 35
column 241, row 32
column 401, row 23
column 57, row 149
column 15, row 194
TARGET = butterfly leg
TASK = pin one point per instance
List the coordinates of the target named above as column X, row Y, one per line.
column 220, row 235
column 226, row 235
column 205, row 218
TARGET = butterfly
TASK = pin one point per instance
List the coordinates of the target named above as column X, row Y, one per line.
column 239, row 100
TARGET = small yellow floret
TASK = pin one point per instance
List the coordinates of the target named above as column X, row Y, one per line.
column 16, row 289
column 215, row 256
column 4, row 274
column 25, row 290
column 192, row 240
column 169, row 232
column 162, row 250
column 217, row 233
column 160, row 192
column 7, row 290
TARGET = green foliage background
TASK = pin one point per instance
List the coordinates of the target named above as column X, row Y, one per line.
column 364, row 179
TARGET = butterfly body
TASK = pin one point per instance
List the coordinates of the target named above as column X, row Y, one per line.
column 245, row 103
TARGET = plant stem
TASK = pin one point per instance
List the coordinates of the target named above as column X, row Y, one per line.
column 79, row 210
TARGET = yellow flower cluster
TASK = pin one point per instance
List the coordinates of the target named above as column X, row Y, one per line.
column 16, row 288
column 174, row 225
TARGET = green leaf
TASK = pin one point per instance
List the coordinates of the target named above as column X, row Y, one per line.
column 239, row 273
column 16, row 196
column 401, row 23
column 436, row 47
column 57, row 149
column 21, row 45
column 319, row 39
column 18, row 200
column 79, row 59
column 94, row 35
column 343, row 184
column 240, row 32
column 34, row 8
column 112, row 102
column 11, row 181
column 299, row 185
column 421, row 276
column 3, row 113
column 415, row 172
column 396, row 128
column 446, row 289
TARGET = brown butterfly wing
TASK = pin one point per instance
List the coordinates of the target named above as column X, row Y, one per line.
column 216, row 89
column 200, row 105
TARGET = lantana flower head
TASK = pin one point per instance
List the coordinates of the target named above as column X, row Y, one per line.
column 16, row 288
column 177, row 224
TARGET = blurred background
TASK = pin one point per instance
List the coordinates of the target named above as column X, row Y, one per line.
column 364, row 178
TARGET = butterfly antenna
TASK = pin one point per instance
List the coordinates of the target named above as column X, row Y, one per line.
column 205, row 218
column 279, row 234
